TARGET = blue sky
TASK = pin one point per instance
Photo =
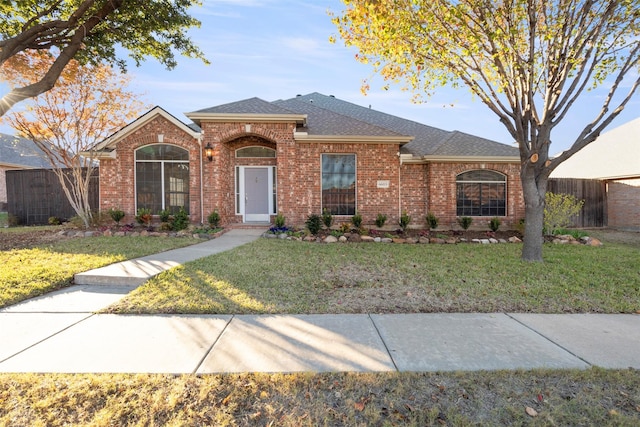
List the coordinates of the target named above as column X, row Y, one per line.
column 275, row 49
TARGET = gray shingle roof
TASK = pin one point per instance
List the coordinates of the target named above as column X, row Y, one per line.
column 327, row 115
column 322, row 121
column 427, row 140
column 247, row 106
column 21, row 152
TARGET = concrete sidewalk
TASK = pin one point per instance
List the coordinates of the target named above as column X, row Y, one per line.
column 89, row 343
column 137, row 271
column 60, row 332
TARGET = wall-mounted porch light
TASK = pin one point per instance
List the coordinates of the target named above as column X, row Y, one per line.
column 208, row 151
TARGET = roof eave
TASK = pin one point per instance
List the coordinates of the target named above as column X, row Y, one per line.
column 470, row 159
column 303, row 136
column 198, row 117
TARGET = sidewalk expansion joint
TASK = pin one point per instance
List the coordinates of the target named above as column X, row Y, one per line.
column 46, row 338
column 550, row 340
column 383, row 342
column 206, row 354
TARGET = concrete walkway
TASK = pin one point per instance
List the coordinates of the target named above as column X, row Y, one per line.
column 59, row 332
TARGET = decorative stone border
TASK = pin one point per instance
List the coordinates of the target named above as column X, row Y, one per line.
column 143, row 233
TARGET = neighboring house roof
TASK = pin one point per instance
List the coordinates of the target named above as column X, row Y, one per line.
column 614, row 155
column 21, row 153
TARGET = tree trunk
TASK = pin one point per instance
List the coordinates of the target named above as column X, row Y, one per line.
column 534, row 190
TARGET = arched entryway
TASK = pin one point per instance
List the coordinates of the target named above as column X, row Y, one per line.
column 255, row 183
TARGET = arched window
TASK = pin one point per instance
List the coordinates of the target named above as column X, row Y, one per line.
column 162, row 178
column 481, row 193
column 256, row 151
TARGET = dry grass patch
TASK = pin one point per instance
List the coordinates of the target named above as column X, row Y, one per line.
column 590, row 397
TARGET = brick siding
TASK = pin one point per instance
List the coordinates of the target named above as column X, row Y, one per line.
column 623, row 204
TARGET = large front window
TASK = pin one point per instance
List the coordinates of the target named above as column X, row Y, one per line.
column 339, row 183
column 481, row 193
column 162, row 178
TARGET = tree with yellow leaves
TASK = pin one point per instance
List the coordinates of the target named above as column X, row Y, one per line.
column 87, row 104
column 528, row 61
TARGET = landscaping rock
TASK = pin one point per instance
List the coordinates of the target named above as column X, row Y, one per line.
column 342, row 239
column 107, row 233
column 436, row 240
column 492, row 240
column 423, row 240
column 514, row 239
column 386, row 240
column 366, row 239
column 356, row 238
column 310, row 238
column 411, row 240
column 398, row 240
column 451, row 241
column 331, row 239
column 377, row 239
column 282, row 236
column 592, row 241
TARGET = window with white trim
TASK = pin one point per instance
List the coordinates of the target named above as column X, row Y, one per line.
column 162, row 178
column 339, row 183
column 481, row 193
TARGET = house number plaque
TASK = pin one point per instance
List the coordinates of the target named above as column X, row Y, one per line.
column 383, row 183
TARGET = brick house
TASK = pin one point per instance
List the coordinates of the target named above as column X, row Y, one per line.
column 252, row 159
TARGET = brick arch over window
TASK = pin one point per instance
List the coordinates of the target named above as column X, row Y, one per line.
column 481, row 192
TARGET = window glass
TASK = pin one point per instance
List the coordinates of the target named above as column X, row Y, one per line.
column 339, row 183
column 481, row 193
column 162, row 178
column 255, row 152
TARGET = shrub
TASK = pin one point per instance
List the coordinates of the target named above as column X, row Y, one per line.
column 404, row 221
column 345, row 227
column 143, row 216
column 494, row 223
column 116, row 215
column 465, row 222
column 520, row 226
column 214, row 219
column 432, row 221
column 180, row 219
column 164, row 214
column 280, row 220
column 577, row 234
column 327, row 218
column 54, row 220
column 380, row 220
column 558, row 210
column 356, row 220
column 314, row 223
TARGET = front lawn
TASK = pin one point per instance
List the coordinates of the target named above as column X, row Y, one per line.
column 26, row 273
column 276, row 276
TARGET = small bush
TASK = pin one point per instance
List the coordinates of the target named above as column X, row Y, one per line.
column 143, row 216
column 327, row 218
column 54, row 220
column 432, row 221
column 576, row 234
column 180, row 219
column 404, row 220
column 520, row 226
column 356, row 220
column 280, row 220
column 558, row 210
column 214, row 219
column 465, row 222
column 116, row 215
column 345, row 227
column 166, row 226
column 494, row 224
column 380, row 220
column 314, row 223
column 165, row 215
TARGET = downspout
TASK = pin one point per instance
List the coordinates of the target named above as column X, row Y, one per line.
column 201, row 177
column 399, row 186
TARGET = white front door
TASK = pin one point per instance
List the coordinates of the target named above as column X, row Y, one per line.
column 256, row 184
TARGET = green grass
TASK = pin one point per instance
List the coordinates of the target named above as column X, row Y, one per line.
column 26, row 273
column 4, row 218
column 568, row 398
column 275, row 276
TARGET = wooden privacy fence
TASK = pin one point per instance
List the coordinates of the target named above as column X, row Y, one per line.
column 35, row 195
column 594, row 194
